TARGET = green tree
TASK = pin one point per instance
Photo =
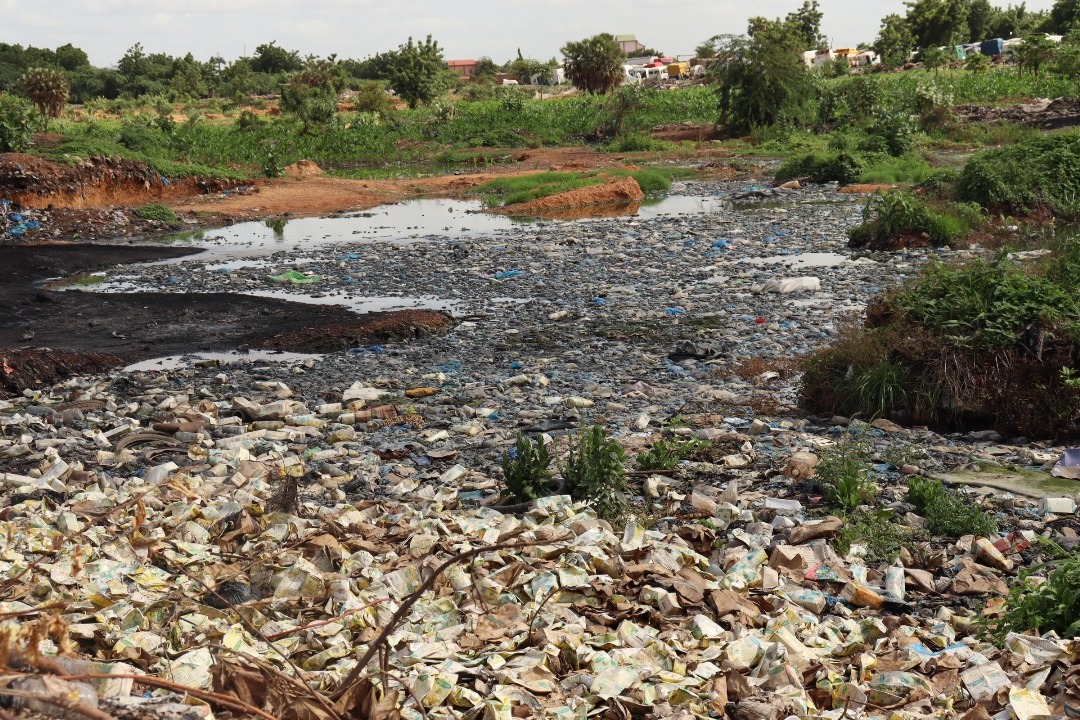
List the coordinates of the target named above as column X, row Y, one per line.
column 760, row 80
column 371, row 97
column 416, row 71
column 980, row 15
column 1014, row 21
column 938, row 22
column 894, row 41
column 486, row 69
column 594, row 64
column 1064, row 16
column 269, row 58
column 71, row 58
column 47, row 88
column 1037, row 50
column 806, row 22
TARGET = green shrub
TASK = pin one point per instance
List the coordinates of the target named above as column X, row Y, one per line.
column 594, row 473
column 897, row 132
column 525, row 469
column 953, row 515
column 1049, row 606
column 948, row 513
column 843, row 474
column 156, row 211
column 666, row 455
column 1039, row 172
column 897, row 214
column 634, row 142
column 879, row 531
column 17, row 123
column 910, row 168
column 842, row 167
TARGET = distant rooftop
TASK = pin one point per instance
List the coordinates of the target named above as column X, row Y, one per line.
column 626, row 38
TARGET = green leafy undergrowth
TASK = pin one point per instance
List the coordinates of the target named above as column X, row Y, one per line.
column 156, row 211
column 526, row 469
column 594, row 472
column 1038, row 172
column 948, row 513
column 893, row 216
column 843, row 474
column 1044, row 599
column 879, row 531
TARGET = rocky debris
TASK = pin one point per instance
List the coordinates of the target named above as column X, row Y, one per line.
column 188, row 520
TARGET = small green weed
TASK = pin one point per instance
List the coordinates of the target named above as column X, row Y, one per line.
column 667, row 454
column 156, row 211
column 911, row 168
column 594, row 473
column 844, row 473
column 525, row 469
column 947, row 512
column 898, row 214
column 879, row 532
column 1051, row 605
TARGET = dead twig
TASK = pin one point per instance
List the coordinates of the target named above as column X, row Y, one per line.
column 406, row 606
column 312, row 626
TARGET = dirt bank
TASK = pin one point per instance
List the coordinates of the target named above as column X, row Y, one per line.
column 94, row 182
column 136, row 326
column 617, row 192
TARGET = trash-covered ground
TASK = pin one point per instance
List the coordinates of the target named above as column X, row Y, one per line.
column 332, row 537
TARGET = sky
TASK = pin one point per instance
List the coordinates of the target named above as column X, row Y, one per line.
column 105, row 29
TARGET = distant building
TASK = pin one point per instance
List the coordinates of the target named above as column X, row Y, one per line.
column 629, row 44
column 464, row 68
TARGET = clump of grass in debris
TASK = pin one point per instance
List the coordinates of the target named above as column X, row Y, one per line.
column 879, row 532
column 156, row 211
column 843, row 475
column 525, row 188
column 595, row 472
column 948, row 513
column 665, row 455
column 525, row 469
column 1042, row 601
column 821, row 167
column 892, row 216
column 910, row 168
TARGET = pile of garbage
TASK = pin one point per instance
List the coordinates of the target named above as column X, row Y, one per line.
column 222, row 543
column 1045, row 113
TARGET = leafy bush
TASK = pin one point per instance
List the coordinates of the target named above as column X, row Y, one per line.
column 525, row 468
column 1050, row 605
column 17, row 123
column 842, row 167
column 911, row 168
column 897, row 132
column 843, row 474
column 948, row 513
column 666, row 455
column 47, row 88
column 156, row 211
column 1039, row 172
column 879, row 531
column 897, row 214
column 594, row 473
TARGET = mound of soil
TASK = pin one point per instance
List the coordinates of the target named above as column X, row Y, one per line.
column 866, row 188
column 303, row 169
column 95, row 182
column 622, row 191
column 26, row 369
column 401, row 325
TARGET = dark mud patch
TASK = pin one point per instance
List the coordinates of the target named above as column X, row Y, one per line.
column 138, row 326
column 25, row 369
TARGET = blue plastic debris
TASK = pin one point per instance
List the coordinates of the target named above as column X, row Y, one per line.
column 508, row 274
column 675, row 311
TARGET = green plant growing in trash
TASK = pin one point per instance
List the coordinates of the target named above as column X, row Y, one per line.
column 878, row 531
column 665, row 455
column 1043, row 605
column 525, row 469
column 947, row 512
column 594, row 473
column 843, row 475
column 156, row 211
